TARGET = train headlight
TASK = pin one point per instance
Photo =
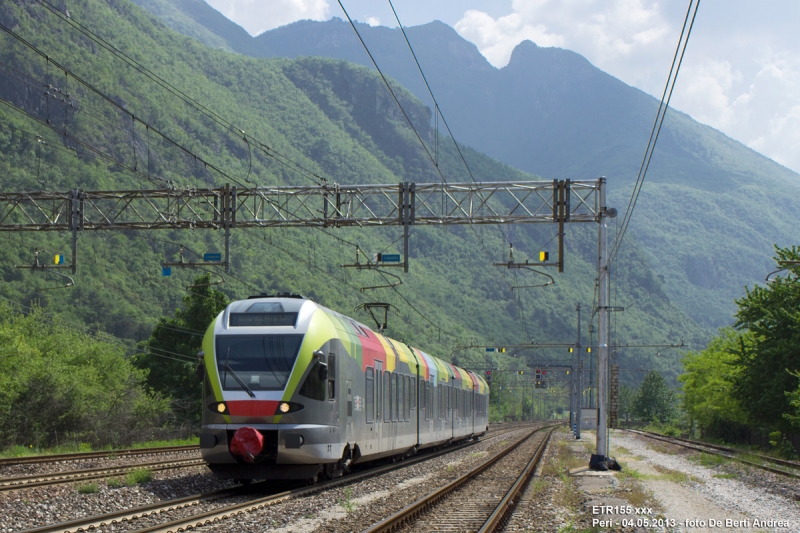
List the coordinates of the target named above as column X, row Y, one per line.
column 221, row 408
column 287, row 407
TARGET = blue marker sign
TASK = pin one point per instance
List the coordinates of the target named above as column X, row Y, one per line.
column 166, row 271
column 489, row 349
column 390, row 258
column 212, row 257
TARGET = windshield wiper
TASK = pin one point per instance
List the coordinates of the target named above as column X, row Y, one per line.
column 239, row 380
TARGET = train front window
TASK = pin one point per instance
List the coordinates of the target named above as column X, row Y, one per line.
column 262, row 362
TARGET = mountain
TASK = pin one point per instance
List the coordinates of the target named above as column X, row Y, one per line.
column 106, row 125
column 711, row 208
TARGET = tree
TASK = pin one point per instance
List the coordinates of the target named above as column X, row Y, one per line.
column 708, row 382
column 654, row 400
column 626, row 396
column 170, row 354
column 770, row 362
column 58, row 384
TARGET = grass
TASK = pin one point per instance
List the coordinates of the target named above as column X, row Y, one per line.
column 709, row 460
column 82, row 447
column 676, row 476
column 191, row 441
column 114, row 483
column 660, row 448
column 88, row 488
column 141, row 475
column 726, row 476
column 631, row 488
column 347, row 502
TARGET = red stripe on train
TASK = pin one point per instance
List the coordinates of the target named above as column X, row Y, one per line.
column 252, row 407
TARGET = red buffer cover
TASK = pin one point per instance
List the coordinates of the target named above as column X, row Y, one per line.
column 247, row 442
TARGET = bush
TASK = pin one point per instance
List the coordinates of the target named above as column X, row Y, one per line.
column 58, row 385
column 142, row 475
column 88, row 488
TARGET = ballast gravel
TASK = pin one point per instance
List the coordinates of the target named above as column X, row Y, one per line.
column 754, row 495
column 28, row 508
column 356, row 505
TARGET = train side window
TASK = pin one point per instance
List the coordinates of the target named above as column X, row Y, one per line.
column 401, row 398
column 407, row 403
column 408, row 398
column 369, row 395
column 424, row 401
column 387, row 396
column 331, row 376
column 439, row 399
column 412, row 390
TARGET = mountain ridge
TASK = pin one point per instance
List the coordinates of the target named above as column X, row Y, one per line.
column 552, row 113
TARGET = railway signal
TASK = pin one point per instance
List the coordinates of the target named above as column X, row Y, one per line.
column 489, row 377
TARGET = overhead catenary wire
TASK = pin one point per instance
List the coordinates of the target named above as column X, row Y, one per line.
column 677, row 60
column 217, row 118
column 419, row 138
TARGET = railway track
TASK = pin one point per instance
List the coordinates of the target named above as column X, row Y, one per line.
column 478, row 501
column 790, row 468
column 84, row 456
column 164, row 512
column 87, row 474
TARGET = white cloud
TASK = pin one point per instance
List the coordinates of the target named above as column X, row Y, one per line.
column 761, row 110
column 373, row 21
column 607, row 32
column 258, row 16
column 730, row 78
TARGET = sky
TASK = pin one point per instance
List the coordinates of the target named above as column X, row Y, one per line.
column 740, row 75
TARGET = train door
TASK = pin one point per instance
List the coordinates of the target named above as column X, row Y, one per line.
column 348, row 388
column 332, row 395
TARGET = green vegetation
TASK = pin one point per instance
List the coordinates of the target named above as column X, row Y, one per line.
column 655, row 401
column 88, row 488
column 747, row 378
column 191, row 441
column 58, row 385
column 114, row 483
column 179, row 336
column 347, row 502
column 140, row 475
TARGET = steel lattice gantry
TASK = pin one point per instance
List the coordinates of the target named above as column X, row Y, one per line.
column 318, row 206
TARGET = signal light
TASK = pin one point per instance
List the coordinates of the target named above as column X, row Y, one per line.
column 489, row 377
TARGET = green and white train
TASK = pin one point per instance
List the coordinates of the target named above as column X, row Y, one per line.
column 293, row 390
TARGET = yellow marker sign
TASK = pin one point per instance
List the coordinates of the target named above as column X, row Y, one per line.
column 544, row 256
column 58, row 259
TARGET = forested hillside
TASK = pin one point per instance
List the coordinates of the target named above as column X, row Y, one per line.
column 295, row 120
column 709, row 213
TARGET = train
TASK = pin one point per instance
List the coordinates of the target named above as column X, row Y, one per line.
column 294, row 390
